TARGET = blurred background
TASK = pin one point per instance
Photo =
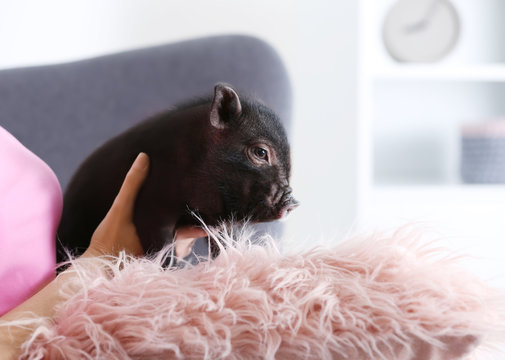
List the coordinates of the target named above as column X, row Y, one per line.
column 398, row 104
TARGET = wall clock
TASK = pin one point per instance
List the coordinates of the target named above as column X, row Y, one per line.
column 421, row 30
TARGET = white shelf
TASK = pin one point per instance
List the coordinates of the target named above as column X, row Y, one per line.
column 465, row 218
column 469, row 212
column 446, row 72
column 409, row 116
column 464, row 205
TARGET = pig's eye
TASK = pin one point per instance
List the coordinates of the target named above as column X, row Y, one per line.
column 260, row 153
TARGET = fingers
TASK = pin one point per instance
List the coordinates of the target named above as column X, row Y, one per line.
column 183, row 247
column 185, row 238
column 125, row 199
column 190, row 232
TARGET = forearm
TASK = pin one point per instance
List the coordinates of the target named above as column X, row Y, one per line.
column 41, row 305
column 115, row 233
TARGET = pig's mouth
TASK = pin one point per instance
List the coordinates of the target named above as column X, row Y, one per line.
column 286, row 209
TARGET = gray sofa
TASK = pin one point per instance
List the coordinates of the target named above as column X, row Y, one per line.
column 63, row 112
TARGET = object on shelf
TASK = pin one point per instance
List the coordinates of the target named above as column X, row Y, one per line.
column 483, row 152
column 421, row 30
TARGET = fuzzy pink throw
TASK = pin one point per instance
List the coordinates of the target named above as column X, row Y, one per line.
column 367, row 298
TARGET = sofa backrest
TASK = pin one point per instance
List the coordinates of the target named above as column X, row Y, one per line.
column 63, row 112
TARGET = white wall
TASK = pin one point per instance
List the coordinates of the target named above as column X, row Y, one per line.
column 325, row 122
column 316, row 39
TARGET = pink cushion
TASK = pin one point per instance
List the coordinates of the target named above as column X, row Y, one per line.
column 30, row 209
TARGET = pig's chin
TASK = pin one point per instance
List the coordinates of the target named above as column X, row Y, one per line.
column 279, row 212
column 284, row 212
column 257, row 212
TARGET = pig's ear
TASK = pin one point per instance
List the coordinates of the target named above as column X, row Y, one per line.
column 225, row 106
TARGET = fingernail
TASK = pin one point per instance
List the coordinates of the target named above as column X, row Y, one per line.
column 141, row 162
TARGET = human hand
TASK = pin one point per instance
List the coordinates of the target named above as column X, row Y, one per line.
column 185, row 238
column 117, row 231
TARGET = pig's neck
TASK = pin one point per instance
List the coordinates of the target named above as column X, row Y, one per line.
column 186, row 137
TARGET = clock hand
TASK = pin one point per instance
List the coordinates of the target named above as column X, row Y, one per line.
column 423, row 23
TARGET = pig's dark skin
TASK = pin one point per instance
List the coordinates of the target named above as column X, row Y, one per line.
column 220, row 158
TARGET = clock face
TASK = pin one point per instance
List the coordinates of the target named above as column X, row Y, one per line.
column 421, row 30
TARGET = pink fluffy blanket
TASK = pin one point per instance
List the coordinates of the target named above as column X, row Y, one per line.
column 367, row 298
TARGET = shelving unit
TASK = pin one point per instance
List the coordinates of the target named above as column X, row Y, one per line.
column 410, row 116
column 479, row 73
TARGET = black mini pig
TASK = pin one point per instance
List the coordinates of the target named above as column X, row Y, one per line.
column 222, row 158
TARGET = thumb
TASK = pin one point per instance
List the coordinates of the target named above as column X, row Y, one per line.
column 125, row 199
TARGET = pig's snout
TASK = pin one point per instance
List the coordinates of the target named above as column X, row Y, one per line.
column 292, row 204
column 288, row 204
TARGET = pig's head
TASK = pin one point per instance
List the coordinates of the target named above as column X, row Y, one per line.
column 248, row 163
